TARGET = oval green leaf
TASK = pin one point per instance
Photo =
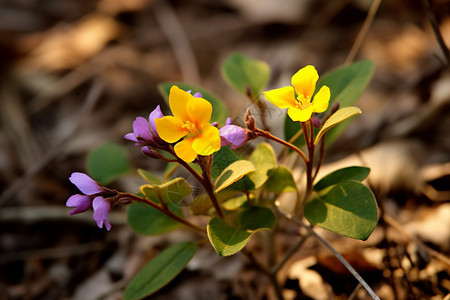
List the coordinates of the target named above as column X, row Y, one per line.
column 233, row 173
column 349, row 173
column 348, row 208
column 160, row 270
column 257, row 218
column 281, row 181
column 107, row 162
column 222, row 159
column 172, row 191
column 336, row 118
column 225, row 239
column 220, row 111
column 265, row 161
column 147, row 220
column 244, row 73
column 149, row 176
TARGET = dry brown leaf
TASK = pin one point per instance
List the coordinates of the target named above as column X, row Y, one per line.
column 67, row 46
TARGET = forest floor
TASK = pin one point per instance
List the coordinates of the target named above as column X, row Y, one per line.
column 54, row 54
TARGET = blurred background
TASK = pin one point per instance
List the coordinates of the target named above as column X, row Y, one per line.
column 76, row 73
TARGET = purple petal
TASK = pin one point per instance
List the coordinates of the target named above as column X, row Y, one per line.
column 85, row 183
column 131, row 137
column 141, row 129
column 155, row 114
column 101, row 210
column 81, row 203
column 233, row 135
column 228, row 122
column 198, row 95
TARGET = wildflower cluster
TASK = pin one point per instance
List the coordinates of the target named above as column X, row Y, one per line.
column 240, row 193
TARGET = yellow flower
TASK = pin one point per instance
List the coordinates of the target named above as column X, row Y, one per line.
column 191, row 116
column 301, row 108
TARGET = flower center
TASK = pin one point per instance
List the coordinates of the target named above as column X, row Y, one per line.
column 302, row 102
column 189, row 126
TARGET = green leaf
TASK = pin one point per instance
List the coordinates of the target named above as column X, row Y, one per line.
column 264, row 159
column 348, row 208
column 233, row 173
column 147, row 220
column 346, row 83
column 220, row 111
column 242, row 72
column 336, row 118
column 349, row 173
column 281, row 181
column 257, row 218
column 225, row 239
column 107, row 162
column 222, row 159
column 149, row 177
column 160, row 270
column 172, row 191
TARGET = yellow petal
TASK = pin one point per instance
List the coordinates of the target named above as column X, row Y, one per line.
column 199, row 111
column 304, row 81
column 184, row 150
column 170, row 129
column 178, row 100
column 321, row 99
column 208, row 141
column 301, row 115
column 282, row 98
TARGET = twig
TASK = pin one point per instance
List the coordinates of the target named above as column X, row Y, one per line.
column 291, row 252
column 363, row 32
column 92, row 97
column 171, row 27
column 437, row 32
column 339, row 257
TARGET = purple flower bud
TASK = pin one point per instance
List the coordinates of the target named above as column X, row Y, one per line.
column 147, row 151
column 85, row 184
column 141, row 132
column 155, row 114
column 215, row 124
column 232, row 135
column 81, row 203
column 316, row 122
column 334, row 107
column 101, row 210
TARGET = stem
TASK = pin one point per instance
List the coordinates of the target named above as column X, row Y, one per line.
column 205, row 181
column 268, row 135
column 321, row 156
column 271, row 277
column 437, row 32
column 209, row 187
column 291, row 252
column 164, row 211
column 339, row 257
column 310, row 163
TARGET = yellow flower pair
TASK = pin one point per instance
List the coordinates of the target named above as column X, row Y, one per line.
column 190, row 120
column 301, row 108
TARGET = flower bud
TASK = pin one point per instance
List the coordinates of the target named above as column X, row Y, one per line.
column 249, row 120
column 147, row 151
column 317, row 122
column 335, row 107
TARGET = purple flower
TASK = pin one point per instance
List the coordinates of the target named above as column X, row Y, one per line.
column 93, row 197
column 233, row 135
column 144, row 131
column 81, row 203
column 101, row 210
